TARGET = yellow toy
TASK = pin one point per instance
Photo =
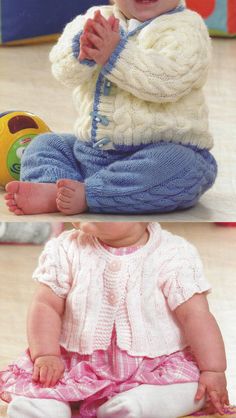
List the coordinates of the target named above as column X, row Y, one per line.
column 17, row 130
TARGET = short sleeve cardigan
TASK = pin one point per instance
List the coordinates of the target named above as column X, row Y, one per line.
column 135, row 293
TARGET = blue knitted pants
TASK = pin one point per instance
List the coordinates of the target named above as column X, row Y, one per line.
column 153, row 178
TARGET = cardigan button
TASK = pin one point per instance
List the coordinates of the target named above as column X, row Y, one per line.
column 114, row 266
column 107, row 87
column 101, row 142
column 112, row 299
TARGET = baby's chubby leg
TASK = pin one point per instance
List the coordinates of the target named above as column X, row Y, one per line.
column 153, row 401
column 22, row 407
column 157, row 178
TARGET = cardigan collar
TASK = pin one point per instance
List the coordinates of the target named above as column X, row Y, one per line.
column 153, row 242
column 123, row 21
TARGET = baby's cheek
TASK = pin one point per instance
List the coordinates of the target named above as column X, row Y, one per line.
column 173, row 3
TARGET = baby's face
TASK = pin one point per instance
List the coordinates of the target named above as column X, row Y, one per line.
column 145, row 9
column 113, row 232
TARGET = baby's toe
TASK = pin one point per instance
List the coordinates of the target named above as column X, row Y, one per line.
column 9, row 196
column 11, row 203
column 64, row 191
column 62, row 205
column 13, row 187
column 63, row 199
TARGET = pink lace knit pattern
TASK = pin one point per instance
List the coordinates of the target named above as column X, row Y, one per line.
column 137, row 292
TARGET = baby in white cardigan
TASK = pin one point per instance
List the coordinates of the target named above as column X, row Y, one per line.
column 141, row 143
column 120, row 323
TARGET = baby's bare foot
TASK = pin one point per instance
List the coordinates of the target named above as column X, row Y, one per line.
column 71, row 197
column 25, row 198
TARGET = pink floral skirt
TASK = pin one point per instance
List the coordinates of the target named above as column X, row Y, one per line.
column 93, row 379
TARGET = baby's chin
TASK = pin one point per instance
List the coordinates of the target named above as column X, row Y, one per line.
column 83, row 226
column 97, row 229
column 86, row 227
column 146, row 3
column 144, row 10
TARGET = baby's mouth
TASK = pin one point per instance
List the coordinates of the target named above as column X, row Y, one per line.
column 146, row 1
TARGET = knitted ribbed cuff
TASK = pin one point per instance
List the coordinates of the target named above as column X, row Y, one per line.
column 108, row 67
column 93, row 189
column 76, row 50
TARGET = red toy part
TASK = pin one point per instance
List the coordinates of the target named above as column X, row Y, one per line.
column 232, row 16
column 205, row 8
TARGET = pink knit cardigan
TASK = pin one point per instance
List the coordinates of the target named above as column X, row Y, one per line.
column 136, row 293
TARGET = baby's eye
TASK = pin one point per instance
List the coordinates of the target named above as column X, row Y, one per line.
column 20, row 152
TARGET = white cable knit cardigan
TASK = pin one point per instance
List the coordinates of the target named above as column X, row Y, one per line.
column 135, row 293
column 150, row 89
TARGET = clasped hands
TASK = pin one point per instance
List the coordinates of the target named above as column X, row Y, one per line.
column 99, row 39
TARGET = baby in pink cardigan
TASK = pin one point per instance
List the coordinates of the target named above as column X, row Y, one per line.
column 119, row 323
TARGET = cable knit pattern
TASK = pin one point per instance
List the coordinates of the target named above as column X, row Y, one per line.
column 156, row 76
column 136, row 293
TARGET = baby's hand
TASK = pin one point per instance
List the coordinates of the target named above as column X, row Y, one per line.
column 213, row 385
column 99, row 39
column 84, row 40
column 48, row 370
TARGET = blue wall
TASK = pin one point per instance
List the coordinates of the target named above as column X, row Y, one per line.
column 21, row 19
